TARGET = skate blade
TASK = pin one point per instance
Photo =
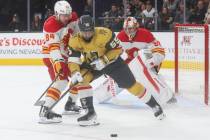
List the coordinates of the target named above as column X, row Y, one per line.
column 70, row 113
column 88, row 123
column 161, row 116
column 43, row 120
column 92, row 122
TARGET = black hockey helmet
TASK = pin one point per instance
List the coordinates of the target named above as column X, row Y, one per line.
column 86, row 23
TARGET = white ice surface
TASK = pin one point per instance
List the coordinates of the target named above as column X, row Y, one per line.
column 21, row 86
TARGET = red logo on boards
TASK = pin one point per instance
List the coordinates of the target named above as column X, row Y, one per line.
column 186, row 40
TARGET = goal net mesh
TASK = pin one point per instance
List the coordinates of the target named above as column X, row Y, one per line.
column 191, row 43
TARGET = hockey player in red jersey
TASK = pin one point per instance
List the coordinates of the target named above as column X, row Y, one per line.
column 57, row 31
column 135, row 39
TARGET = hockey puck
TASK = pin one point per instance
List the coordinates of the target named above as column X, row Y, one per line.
column 113, row 135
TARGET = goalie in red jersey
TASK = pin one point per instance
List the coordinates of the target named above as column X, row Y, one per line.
column 144, row 55
column 134, row 39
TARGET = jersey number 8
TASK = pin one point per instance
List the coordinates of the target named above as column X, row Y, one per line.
column 49, row 36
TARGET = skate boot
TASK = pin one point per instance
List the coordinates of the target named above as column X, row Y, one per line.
column 71, row 108
column 47, row 117
column 156, row 108
column 90, row 117
column 158, row 112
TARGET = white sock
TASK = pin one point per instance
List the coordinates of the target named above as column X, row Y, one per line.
column 49, row 101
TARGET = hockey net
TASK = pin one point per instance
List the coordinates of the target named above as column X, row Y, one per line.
column 192, row 61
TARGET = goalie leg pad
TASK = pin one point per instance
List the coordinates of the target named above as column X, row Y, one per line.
column 106, row 90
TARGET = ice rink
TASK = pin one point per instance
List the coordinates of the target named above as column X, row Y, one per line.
column 189, row 119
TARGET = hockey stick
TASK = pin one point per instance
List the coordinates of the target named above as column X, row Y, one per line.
column 64, row 94
column 40, row 102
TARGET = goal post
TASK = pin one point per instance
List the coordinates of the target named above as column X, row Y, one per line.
column 192, row 60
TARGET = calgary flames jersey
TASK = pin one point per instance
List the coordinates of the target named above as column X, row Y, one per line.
column 56, row 36
column 103, row 44
column 142, row 40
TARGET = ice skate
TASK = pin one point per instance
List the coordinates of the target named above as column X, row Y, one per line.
column 71, row 108
column 158, row 112
column 47, row 117
column 90, row 117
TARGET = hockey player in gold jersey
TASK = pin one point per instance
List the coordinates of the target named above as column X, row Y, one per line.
column 101, row 52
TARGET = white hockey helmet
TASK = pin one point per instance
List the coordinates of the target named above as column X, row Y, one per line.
column 62, row 7
column 130, row 26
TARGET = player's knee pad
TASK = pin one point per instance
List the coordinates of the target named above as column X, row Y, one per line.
column 136, row 89
column 60, row 85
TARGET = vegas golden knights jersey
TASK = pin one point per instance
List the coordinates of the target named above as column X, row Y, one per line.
column 103, row 45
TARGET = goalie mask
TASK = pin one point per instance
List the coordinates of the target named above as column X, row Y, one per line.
column 130, row 27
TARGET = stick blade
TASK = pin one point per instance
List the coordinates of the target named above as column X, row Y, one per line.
column 39, row 103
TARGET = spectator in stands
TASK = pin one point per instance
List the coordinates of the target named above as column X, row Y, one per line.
column 206, row 3
column 179, row 15
column 193, row 17
column 115, row 18
column 36, row 23
column 134, row 6
column 138, row 9
column 15, row 24
column 88, row 10
column 139, row 13
column 172, row 5
column 165, row 19
column 197, row 14
column 48, row 13
column 148, row 16
column 200, row 12
column 128, row 10
column 105, row 20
